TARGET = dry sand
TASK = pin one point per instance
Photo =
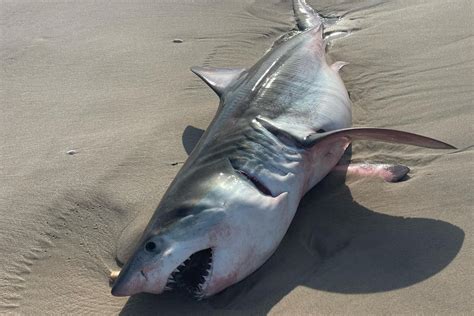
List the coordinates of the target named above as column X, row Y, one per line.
column 106, row 80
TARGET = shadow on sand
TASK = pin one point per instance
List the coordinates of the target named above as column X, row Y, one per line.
column 334, row 244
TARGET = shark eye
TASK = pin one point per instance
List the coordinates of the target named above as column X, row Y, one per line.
column 150, row 246
column 321, row 131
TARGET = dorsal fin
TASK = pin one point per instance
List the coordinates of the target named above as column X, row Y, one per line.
column 338, row 65
column 218, row 79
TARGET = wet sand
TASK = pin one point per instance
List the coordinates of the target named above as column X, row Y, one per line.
column 99, row 109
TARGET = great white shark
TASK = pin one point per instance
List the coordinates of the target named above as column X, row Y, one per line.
column 280, row 128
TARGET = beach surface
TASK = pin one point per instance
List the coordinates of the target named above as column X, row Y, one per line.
column 99, row 110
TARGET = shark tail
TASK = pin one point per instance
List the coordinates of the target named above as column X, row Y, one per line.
column 305, row 16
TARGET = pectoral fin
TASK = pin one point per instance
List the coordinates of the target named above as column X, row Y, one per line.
column 308, row 140
column 377, row 134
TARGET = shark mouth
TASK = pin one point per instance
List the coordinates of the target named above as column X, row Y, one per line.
column 192, row 276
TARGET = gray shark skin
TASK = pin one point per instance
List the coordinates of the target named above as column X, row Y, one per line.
column 280, row 128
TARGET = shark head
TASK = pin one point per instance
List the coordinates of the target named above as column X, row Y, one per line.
column 177, row 255
column 207, row 244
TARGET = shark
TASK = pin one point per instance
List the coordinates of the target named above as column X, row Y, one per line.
column 280, row 128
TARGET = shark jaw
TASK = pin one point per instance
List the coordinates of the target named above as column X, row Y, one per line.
column 190, row 278
column 193, row 275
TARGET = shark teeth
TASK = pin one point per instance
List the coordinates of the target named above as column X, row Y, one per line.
column 193, row 275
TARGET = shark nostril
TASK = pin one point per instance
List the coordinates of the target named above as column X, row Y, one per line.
column 150, row 246
column 144, row 275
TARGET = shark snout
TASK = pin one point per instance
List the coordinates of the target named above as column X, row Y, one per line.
column 128, row 283
column 118, row 289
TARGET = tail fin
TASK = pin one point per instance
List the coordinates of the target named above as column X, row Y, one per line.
column 305, row 16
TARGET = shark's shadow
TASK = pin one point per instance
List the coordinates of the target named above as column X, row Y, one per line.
column 190, row 138
column 334, row 244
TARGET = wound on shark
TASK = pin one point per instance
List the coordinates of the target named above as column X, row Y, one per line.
column 281, row 127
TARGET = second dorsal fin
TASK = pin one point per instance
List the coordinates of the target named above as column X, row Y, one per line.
column 218, row 79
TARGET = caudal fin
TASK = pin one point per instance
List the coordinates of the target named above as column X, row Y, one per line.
column 305, row 16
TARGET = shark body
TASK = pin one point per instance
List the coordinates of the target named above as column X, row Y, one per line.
column 280, row 128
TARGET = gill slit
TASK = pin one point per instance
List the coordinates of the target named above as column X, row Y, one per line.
column 260, row 186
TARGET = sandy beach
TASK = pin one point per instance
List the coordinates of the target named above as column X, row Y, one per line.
column 99, row 111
